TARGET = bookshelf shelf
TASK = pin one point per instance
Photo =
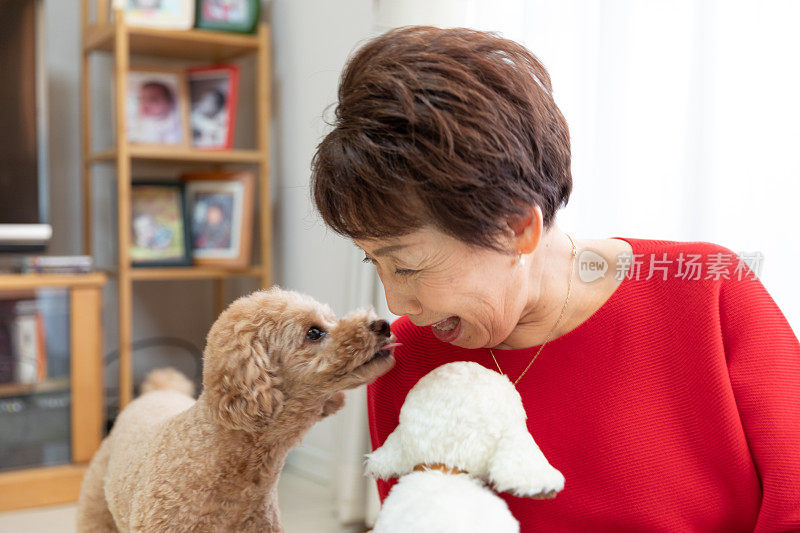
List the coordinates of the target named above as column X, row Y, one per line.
column 108, row 33
column 188, row 273
column 42, row 486
column 18, row 389
column 159, row 153
column 36, row 281
column 181, row 44
column 197, row 272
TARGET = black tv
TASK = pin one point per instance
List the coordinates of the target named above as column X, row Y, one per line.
column 24, row 217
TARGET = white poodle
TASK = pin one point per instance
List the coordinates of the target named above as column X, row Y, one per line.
column 462, row 434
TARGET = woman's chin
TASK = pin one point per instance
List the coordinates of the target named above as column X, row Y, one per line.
column 464, row 340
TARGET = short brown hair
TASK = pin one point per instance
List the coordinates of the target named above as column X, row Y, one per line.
column 455, row 127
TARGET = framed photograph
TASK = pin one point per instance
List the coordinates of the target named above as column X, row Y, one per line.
column 228, row 15
column 159, row 233
column 220, row 207
column 213, row 97
column 157, row 111
column 163, row 14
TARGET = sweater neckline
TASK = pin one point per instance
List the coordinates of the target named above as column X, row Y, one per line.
column 610, row 302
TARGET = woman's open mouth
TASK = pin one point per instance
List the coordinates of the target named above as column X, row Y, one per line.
column 447, row 330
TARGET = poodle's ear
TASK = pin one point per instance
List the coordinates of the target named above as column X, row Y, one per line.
column 245, row 394
column 387, row 461
column 519, row 467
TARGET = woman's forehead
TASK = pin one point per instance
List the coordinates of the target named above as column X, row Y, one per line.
column 422, row 238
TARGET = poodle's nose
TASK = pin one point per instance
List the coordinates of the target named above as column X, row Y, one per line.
column 381, row 327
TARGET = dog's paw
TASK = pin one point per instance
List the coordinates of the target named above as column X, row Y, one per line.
column 333, row 404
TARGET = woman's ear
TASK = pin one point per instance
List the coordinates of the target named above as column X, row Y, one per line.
column 246, row 395
column 527, row 229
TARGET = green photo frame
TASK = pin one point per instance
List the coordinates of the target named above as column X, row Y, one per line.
column 159, row 229
column 240, row 16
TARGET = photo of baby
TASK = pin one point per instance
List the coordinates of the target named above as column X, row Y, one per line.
column 154, row 111
column 213, row 106
column 158, row 228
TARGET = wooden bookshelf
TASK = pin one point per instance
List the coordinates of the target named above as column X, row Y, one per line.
column 109, row 34
column 32, row 486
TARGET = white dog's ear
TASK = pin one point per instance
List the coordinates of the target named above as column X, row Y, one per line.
column 520, row 468
column 387, row 461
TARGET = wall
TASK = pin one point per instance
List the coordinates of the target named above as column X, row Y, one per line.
column 312, row 40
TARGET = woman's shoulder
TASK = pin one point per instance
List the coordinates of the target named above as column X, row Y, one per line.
column 672, row 247
column 705, row 261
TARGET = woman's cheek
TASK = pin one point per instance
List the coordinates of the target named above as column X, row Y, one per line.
column 470, row 331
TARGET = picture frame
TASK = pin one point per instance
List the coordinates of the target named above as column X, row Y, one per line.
column 220, row 215
column 156, row 107
column 159, row 231
column 161, row 14
column 240, row 16
column 213, row 98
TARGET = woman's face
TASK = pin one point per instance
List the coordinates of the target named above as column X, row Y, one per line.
column 475, row 295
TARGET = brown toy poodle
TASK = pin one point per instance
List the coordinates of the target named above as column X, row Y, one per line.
column 275, row 363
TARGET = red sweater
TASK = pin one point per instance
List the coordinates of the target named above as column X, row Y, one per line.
column 674, row 407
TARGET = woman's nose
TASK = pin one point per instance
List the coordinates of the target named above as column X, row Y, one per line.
column 400, row 304
column 381, row 327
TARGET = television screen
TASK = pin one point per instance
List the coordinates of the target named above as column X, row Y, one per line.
column 23, row 147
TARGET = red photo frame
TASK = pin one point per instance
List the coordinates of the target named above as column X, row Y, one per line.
column 213, row 97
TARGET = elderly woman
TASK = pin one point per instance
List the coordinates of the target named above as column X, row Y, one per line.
column 658, row 376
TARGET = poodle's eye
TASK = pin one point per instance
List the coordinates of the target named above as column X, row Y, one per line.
column 314, row 333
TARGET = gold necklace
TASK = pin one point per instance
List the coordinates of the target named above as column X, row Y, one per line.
column 564, row 308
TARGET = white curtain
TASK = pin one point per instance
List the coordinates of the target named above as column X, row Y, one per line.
column 684, row 117
column 356, row 497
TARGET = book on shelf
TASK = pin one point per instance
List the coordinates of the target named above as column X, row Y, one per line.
column 54, row 264
column 23, row 350
column 6, row 352
column 28, row 342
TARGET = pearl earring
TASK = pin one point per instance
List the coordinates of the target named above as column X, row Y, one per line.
column 520, row 258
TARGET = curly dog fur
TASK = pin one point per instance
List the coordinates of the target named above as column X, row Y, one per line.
column 469, row 417
column 174, row 464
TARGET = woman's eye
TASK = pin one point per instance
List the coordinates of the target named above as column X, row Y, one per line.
column 398, row 271
column 314, row 333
